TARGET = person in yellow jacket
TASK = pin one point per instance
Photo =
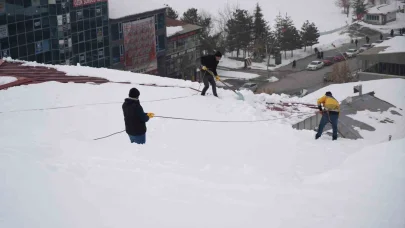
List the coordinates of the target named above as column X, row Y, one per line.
column 330, row 114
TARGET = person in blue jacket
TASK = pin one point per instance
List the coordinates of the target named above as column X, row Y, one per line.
column 135, row 118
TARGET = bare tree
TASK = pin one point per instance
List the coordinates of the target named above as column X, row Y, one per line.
column 341, row 73
column 345, row 4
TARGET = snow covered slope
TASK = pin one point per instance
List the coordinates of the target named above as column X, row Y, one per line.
column 189, row 174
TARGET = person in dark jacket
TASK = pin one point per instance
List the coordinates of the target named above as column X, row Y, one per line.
column 381, row 36
column 210, row 62
column 135, row 118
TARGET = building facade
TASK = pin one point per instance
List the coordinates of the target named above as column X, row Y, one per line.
column 55, row 31
column 138, row 42
column 183, row 50
column 381, row 14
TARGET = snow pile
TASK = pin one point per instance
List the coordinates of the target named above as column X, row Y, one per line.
column 6, row 79
column 190, row 173
column 337, row 38
column 123, row 8
column 170, row 31
column 395, row 45
column 272, row 79
column 236, row 74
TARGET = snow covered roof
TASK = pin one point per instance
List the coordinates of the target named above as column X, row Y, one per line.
column 394, row 45
column 123, row 8
column 383, row 9
column 176, row 27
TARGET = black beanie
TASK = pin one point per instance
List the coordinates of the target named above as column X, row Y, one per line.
column 134, row 93
column 328, row 93
column 218, row 54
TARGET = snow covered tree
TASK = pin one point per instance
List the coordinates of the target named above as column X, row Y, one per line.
column 345, row 4
column 171, row 13
column 359, row 8
column 309, row 34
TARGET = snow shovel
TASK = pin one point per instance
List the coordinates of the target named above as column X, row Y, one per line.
column 240, row 96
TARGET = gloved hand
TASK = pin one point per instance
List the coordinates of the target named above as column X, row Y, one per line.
column 217, row 77
column 204, row 68
column 320, row 112
column 150, row 115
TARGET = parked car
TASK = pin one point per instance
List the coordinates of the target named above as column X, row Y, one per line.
column 365, row 47
column 328, row 60
column 340, row 57
column 315, row 65
column 249, row 86
column 352, row 53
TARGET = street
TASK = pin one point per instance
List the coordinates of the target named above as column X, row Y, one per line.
column 293, row 80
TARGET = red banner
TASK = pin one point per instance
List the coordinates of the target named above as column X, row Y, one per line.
column 140, row 45
column 77, row 3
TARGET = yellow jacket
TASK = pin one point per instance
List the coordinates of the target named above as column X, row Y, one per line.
column 329, row 103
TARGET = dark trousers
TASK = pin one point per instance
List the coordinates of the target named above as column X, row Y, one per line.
column 332, row 118
column 209, row 79
column 138, row 139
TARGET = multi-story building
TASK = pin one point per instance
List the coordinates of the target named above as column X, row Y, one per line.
column 138, row 40
column 183, row 49
column 55, row 31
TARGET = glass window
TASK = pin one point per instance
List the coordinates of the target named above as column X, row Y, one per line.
column 46, row 34
column 88, row 57
column 20, row 27
column 14, row 53
column 161, row 21
column 114, row 32
column 4, row 43
column 99, row 22
column 87, row 36
column 22, row 39
column 106, row 52
column 37, row 24
column 105, row 31
column 44, row 2
column 80, row 36
column 3, row 20
column 19, row 15
column 82, row 47
column 13, row 41
column 80, row 26
column 79, row 15
column 93, row 34
column 22, row 49
column 98, row 11
column 45, row 22
column 86, row 13
column 82, row 58
column 88, row 46
column 29, row 26
column 101, row 53
column 161, row 41
column 52, row 9
column 86, row 24
column 74, row 27
column 11, row 28
column 48, row 57
column 39, row 58
column 31, row 58
column 11, row 18
column 93, row 23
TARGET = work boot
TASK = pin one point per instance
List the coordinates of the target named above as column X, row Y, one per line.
column 334, row 138
column 317, row 137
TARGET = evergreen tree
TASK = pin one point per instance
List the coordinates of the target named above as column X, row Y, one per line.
column 239, row 31
column 288, row 37
column 171, row 13
column 359, row 7
column 260, row 31
column 309, row 34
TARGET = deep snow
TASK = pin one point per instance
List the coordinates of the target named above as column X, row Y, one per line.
column 6, row 79
column 189, row 174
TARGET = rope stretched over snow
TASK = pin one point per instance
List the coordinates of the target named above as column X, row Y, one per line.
column 213, row 121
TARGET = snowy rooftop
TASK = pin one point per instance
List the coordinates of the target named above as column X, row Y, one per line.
column 256, row 174
column 123, row 8
column 383, row 9
column 174, row 27
column 394, row 45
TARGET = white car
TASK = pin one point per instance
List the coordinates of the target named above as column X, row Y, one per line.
column 315, row 65
column 365, row 47
column 351, row 53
